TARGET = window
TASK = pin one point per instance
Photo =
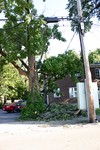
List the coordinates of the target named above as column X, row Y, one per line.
column 72, row 92
column 57, row 93
column 97, row 73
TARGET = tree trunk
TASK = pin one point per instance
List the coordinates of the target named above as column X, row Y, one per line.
column 33, row 75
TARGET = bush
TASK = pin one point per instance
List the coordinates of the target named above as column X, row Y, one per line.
column 35, row 106
column 98, row 111
column 59, row 112
column 84, row 113
column 37, row 110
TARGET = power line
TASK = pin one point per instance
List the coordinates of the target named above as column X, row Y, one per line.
column 71, row 41
column 94, row 36
column 97, row 25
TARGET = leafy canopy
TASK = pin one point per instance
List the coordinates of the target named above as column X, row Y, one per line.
column 25, row 33
column 55, row 68
column 90, row 8
column 12, row 85
column 94, row 56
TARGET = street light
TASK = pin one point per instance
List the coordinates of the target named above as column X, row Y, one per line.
column 51, row 19
column 55, row 19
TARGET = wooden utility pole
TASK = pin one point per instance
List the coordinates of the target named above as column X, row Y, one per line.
column 89, row 95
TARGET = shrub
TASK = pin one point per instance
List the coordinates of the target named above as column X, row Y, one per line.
column 35, row 106
column 59, row 112
column 98, row 111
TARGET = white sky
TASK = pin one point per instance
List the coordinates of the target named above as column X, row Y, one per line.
column 56, row 8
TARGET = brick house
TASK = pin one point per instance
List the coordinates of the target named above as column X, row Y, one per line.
column 95, row 71
column 66, row 85
column 63, row 88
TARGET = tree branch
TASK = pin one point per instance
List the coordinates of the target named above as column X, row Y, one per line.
column 20, row 70
column 24, row 64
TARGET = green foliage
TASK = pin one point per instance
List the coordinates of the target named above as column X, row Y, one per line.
column 69, row 63
column 59, row 112
column 98, row 111
column 34, row 108
column 88, row 12
column 12, row 85
column 1, row 5
column 17, row 37
column 52, row 112
column 94, row 56
column 2, row 63
column 56, row 34
column 39, row 111
column 25, row 36
column 84, row 113
column 55, row 68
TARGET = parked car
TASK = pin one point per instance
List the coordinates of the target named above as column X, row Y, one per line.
column 22, row 105
column 10, row 107
column 14, row 107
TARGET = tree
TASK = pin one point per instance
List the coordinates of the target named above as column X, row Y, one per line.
column 1, row 5
column 24, row 37
column 90, row 8
column 55, row 68
column 12, row 85
column 94, row 56
column 2, row 63
column 69, row 63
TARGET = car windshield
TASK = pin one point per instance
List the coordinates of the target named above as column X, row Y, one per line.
column 22, row 103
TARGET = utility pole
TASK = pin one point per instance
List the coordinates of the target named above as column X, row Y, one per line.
column 89, row 96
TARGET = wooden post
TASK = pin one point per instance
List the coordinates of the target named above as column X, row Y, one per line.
column 89, row 96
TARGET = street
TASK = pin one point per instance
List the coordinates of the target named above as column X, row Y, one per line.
column 54, row 135
column 49, row 137
column 8, row 117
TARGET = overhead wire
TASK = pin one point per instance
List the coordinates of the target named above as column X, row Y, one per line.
column 97, row 25
column 94, row 35
column 71, row 41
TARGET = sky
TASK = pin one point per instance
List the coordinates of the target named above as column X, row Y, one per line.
column 56, row 8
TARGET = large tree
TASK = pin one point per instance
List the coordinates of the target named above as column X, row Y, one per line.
column 69, row 63
column 55, row 68
column 24, row 37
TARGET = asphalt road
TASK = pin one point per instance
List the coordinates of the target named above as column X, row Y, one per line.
column 36, row 136
column 8, row 117
column 46, row 135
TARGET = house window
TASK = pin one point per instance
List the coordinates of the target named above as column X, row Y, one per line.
column 72, row 92
column 57, row 93
column 97, row 73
